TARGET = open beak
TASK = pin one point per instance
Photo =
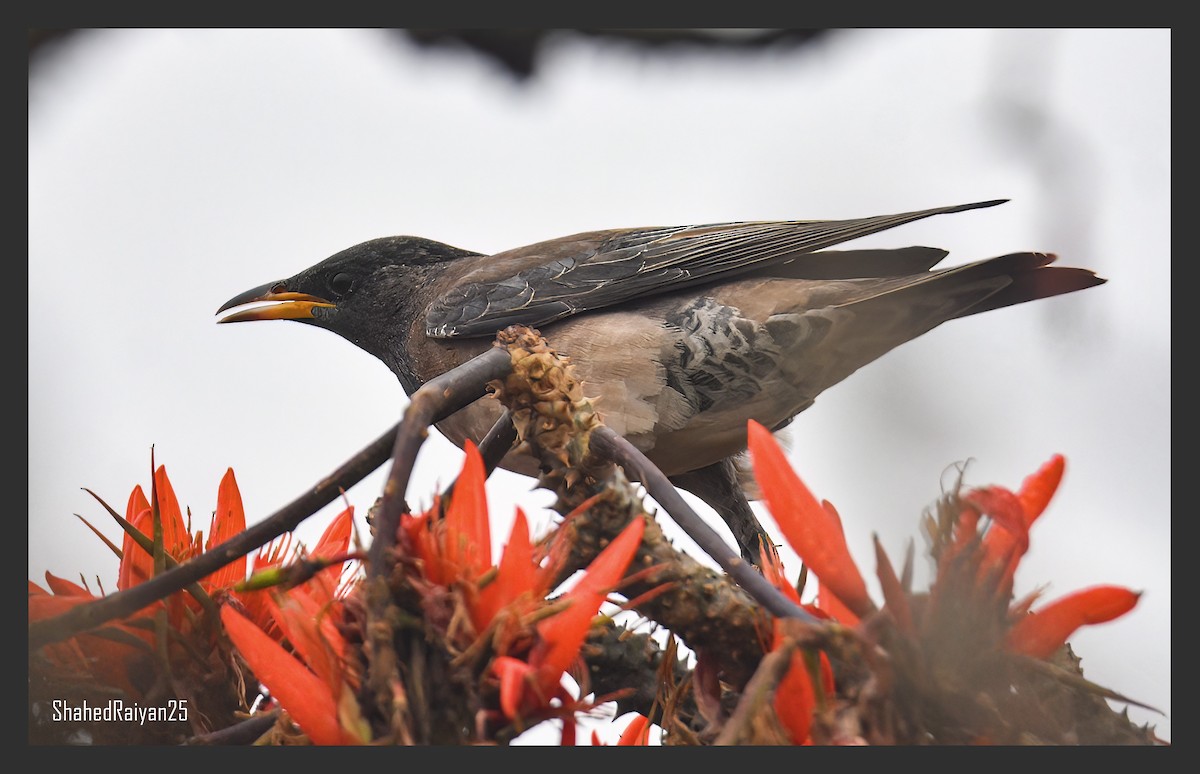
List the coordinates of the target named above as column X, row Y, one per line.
column 286, row 304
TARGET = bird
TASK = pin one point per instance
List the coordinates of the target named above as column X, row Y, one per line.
column 684, row 333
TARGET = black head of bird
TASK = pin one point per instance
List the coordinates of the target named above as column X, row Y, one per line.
column 684, row 333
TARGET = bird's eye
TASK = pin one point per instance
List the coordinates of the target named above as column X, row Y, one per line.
column 341, row 283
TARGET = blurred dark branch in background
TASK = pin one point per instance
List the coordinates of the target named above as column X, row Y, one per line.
column 517, row 50
column 1030, row 129
column 42, row 36
column 45, row 40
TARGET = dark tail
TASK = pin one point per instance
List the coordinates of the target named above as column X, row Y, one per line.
column 1032, row 278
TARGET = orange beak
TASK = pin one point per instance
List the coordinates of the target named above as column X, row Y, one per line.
column 285, row 304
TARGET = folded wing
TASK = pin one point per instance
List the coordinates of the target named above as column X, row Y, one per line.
column 544, row 282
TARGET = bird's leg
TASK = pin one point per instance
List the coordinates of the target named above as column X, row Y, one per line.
column 718, row 486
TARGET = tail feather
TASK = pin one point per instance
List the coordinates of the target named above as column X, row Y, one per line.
column 891, row 310
column 1031, row 278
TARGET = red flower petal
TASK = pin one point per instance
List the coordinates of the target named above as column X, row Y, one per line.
column 516, row 575
column 1008, row 539
column 312, row 634
column 468, row 533
column 1004, row 508
column 568, row 731
column 512, row 673
column 561, row 635
column 228, row 520
column 827, row 602
column 110, row 661
column 795, row 698
column 1044, row 631
column 176, row 539
column 42, row 606
column 637, row 733
column 812, row 531
column 772, row 569
column 1038, row 488
column 518, row 570
column 304, row 695
column 136, row 563
column 827, row 681
column 334, row 542
column 1005, row 547
column 65, row 588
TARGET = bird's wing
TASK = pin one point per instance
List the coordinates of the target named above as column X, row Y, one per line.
column 551, row 282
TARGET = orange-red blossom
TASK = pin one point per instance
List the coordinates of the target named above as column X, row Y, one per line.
column 814, row 530
column 454, row 552
column 457, row 550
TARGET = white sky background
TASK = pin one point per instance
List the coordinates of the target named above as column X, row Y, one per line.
column 171, row 169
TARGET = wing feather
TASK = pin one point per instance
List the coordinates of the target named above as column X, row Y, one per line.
column 637, row 263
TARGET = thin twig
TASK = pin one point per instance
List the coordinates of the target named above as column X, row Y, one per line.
column 608, row 444
column 497, row 443
column 244, row 732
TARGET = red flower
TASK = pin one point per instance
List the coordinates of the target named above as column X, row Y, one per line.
column 454, row 552
column 271, row 565
column 1015, row 514
column 534, row 640
column 528, row 686
column 456, row 549
column 312, row 690
column 795, row 698
column 311, row 680
column 813, row 530
column 561, row 635
column 970, row 606
column 121, row 653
